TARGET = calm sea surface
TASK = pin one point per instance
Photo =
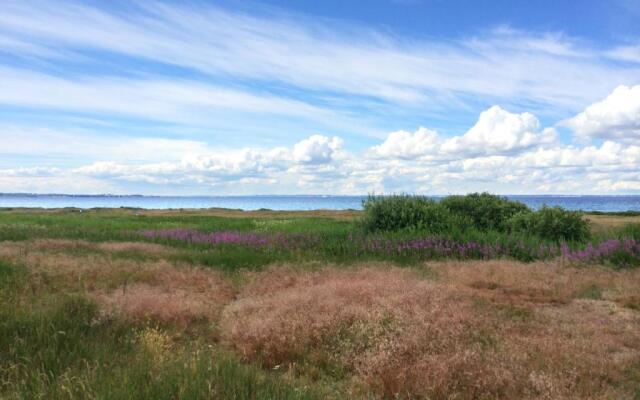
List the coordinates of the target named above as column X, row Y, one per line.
column 587, row 203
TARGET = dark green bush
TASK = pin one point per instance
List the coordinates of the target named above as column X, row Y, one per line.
column 552, row 223
column 478, row 212
column 487, row 211
column 405, row 212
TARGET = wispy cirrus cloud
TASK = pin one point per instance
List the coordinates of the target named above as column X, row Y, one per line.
column 325, row 56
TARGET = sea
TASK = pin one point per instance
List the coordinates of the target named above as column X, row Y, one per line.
column 290, row 202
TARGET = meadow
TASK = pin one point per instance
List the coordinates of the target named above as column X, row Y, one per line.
column 474, row 298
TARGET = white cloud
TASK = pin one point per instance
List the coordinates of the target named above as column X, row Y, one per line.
column 245, row 165
column 61, row 183
column 158, row 98
column 407, row 145
column 497, row 132
column 626, row 53
column 316, row 54
column 621, row 185
column 615, row 117
column 316, row 149
column 42, row 142
column 32, row 172
column 608, row 168
column 503, row 152
column 609, row 153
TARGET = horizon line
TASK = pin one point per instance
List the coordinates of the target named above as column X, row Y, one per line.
column 309, row 195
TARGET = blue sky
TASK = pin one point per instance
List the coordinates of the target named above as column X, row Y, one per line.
column 288, row 97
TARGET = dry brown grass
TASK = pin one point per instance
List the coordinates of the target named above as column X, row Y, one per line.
column 483, row 330
column 479, row 329
column 57, row 257
column 539, row 282
column 11, row 247
column 87, row 272
column 178, row 295
column 603, row 223
column 143, row 302
column 136, row 247
column 142, row 290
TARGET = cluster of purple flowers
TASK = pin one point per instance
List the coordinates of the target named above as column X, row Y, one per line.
column 423, row 248
column 281, row 241
column 437, row 247
column 603, row 250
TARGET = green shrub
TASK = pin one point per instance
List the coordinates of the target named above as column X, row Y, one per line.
column 487, row 211
column 478, row 212
column 552, row 223
column 405, row 212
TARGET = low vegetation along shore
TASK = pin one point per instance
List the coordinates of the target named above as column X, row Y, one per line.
column 471, row 297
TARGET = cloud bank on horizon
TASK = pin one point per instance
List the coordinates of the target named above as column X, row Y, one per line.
column 195, row 98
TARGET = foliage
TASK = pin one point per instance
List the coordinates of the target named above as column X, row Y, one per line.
column 406, row 212
column 552, row 223
column 487, row 211
column 477, row 211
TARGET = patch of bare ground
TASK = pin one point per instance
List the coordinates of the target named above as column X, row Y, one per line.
column 482, row 330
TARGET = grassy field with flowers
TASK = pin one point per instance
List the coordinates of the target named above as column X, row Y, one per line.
column 469, row 299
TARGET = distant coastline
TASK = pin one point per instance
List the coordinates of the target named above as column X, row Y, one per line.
column 598, row 203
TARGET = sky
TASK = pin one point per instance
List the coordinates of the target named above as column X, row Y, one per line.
column 320, row 97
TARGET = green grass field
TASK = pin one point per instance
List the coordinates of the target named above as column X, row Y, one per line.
column 92, row 308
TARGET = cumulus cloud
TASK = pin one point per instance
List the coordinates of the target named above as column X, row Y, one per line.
column 249, row 166
column 611, row 167
column 503, row 152
column 498, row 131
column 316, row 149
column 407, row 145
column 615, row 117
column 609, row 153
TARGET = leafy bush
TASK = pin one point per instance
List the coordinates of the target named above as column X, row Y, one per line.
column 487, row 211
column 552, row 223
column 405, row 212
column 479, row 212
